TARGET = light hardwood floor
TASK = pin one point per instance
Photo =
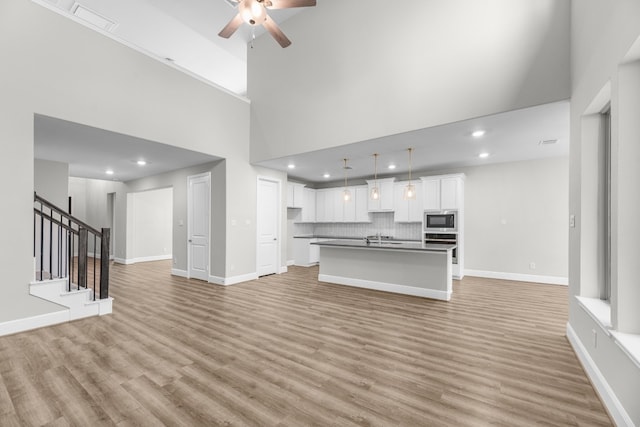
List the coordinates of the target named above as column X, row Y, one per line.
column 287, row 350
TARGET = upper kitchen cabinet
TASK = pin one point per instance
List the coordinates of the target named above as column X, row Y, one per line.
column 443, row 192
column 407, row 210
column 385, row 190
column 295, row 195
column 331, row 206
column 308, row 205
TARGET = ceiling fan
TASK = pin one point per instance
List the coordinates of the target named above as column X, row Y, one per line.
column 254, row 12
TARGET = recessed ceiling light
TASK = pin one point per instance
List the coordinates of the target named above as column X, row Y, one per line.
column 141, row 162
column 326, row 175
column 392, row 166
column 478, row 133
column 291, row 166
column 109, row 172
column 483, row 155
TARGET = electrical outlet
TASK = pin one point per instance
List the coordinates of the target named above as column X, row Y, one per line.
column 532, row 265
column 572, row 221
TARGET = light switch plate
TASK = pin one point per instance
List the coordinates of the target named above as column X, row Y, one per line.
column 572, row 221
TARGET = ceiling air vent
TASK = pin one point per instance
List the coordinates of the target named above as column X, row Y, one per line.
column 92, row 17
column 547, row 142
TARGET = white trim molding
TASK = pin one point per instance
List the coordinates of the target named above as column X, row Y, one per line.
column 386, row 287
column 128, row 261
column 613, row 405
column 179, row 273
column 283, row 270
column 34, row 322
column 233, row 280
column 548, row 280
column 290, row 262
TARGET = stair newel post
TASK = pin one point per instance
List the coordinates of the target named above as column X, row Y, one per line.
column 83, row 250
column 104, row 262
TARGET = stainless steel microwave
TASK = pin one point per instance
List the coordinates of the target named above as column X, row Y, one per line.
column 444, row 221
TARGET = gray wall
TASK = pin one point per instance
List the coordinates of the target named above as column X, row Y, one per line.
column 93, row 80
column 379, row 70
column 51, row 181
column 602, row 33
column 152, row 223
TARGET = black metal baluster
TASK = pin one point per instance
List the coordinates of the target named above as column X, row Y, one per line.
column 41, row 242
column 51, row 246
column 94, row 265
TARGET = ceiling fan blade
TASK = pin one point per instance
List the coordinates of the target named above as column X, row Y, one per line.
column 231, row 27
column 286, row 4
column 276, row 32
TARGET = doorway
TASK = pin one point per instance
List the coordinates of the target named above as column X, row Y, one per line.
column 198, row 222
column 268, row 226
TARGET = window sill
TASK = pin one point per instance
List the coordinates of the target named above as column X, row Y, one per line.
column 600, row 312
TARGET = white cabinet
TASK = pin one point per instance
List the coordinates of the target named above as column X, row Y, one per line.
column 385, row 190
column 295, row 195
column 331, row 207
column 407, row 210
column 308, row 205
column 443, row 192
column 324, row 205
column 361, row 197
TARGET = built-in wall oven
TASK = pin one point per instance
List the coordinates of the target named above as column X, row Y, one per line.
column 441, row 221
column 444, row 239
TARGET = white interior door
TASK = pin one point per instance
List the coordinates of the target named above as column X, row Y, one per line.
column 267, row 226
column 199, row 189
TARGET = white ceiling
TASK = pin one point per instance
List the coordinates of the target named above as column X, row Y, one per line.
column 186, row 31
column 510, row 136
column 90, row 151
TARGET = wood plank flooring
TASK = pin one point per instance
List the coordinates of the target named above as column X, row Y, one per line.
column 287, row 350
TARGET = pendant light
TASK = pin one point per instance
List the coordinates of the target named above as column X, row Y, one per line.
column 346, row 194
column 375, row 193
column 409, row 189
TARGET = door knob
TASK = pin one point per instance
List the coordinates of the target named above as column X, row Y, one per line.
column 275, row 238
column 190, row 240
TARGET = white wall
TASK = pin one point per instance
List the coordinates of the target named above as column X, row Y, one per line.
column 151, row 228
column 356, row 72
column 602, row 33
column 62, row 69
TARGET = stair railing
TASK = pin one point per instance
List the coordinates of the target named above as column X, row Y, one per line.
column 62, row 245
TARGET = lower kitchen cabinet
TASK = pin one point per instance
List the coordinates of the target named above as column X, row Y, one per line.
column 304, row 253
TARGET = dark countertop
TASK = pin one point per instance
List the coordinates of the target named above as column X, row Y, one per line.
column 320, row 236
column 386, row 245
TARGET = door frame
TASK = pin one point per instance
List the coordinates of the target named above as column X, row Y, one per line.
column 189, row 225
column 278, row 183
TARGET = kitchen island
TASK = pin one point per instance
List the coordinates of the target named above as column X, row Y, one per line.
column 408, row 268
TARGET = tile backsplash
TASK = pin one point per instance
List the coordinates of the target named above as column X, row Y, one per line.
column 381, row 222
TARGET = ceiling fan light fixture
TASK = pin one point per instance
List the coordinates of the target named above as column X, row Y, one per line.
column 252, row 12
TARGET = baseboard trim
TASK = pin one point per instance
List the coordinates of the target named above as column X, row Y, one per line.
column 548, row 280
column 290, row 262
column 600, row 384
column 283, row 270
column 179, row 273
column 233, row 280
column 34, row 322
column 386, row 287
column 143, row 259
